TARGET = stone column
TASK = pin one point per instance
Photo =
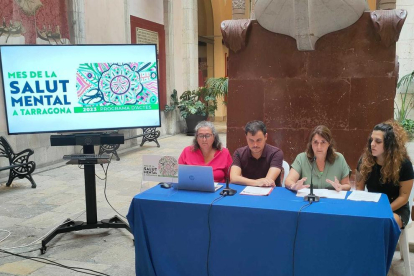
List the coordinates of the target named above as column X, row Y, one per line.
column 239, row 8
column 127, row 22
column 386, row 4
column 76, row 20
column 169, row 45
column 252, row 14
column 406, row 41
column 175, row 51
column 190, row 44
column 181, row 43
column 405, row 51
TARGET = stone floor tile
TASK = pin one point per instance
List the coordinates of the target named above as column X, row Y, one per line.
column 59, row 199
column 397, row 265
column 72, row 207
column 49, row 219
column 23, row 267
column 54, row 270
column 22, row 211
column 121, row 270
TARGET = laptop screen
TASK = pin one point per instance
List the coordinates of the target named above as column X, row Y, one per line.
column 196, row 178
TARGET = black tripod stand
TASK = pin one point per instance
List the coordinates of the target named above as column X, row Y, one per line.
column 90, row 198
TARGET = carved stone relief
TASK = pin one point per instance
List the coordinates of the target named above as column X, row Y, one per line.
column 388, row 25
column 29, row 7
column 308, row 20
column 34, row 22
column 239, row 8
column 235, row 33
column 238, row 4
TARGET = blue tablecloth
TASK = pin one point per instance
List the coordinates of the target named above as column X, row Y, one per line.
column 254, row 235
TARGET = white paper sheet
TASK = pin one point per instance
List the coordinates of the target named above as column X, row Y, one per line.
column 322, row 193
column 217, row 186
column 364, row 196
column 259, row 191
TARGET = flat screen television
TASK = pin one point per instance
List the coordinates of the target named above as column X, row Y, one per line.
column 72, row 88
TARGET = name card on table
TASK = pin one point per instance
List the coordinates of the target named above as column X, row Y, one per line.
column 161, row 168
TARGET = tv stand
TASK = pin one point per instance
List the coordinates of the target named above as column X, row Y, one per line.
column 90, row 197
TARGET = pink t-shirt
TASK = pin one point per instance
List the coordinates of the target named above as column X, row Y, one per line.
column 220, row 163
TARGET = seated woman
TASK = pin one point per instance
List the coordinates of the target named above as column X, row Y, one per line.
column 386, row 168
column 329, row 168
column 207, row 151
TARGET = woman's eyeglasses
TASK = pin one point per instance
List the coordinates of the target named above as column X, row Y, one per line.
column 204, row 136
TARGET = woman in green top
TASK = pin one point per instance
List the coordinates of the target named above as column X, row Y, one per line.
column 328, row 168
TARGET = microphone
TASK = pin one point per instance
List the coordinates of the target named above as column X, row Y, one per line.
column 228, row 191
column 311, row 197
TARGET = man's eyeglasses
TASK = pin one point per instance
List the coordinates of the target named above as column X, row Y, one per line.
column 204, row 136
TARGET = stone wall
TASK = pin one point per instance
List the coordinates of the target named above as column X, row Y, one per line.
column 347, row 83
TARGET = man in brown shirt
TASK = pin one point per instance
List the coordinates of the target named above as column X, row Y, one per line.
column 258, row 163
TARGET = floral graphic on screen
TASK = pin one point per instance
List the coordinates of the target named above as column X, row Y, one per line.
column 117, row 84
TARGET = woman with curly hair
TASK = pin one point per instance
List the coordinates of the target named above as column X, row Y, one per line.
column 328, row 167
column 386, row 168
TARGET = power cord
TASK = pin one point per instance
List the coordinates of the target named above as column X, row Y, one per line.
column 28, row 251
column 44, row 260
column 209, row 231
column 106, row 179
column 8, row 235
column 80, row 166
column 50, row 262
column 26, row 245
column 103, row 171
column 296, row 232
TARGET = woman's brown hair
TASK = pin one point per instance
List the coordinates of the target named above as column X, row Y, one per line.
column 395, row 152
column 326, row 134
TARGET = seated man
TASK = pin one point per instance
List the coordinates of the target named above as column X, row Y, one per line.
column 258, row 164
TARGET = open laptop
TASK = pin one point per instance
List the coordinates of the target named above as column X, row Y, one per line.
column 196, row 178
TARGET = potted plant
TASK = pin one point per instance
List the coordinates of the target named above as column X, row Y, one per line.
column 219, row 87
column 194, row 106
column 406, row 106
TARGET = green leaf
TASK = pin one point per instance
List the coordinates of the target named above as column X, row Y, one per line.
column 202, row 101
column 405, row 108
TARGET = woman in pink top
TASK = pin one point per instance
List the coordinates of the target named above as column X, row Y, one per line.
column 207, row 151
